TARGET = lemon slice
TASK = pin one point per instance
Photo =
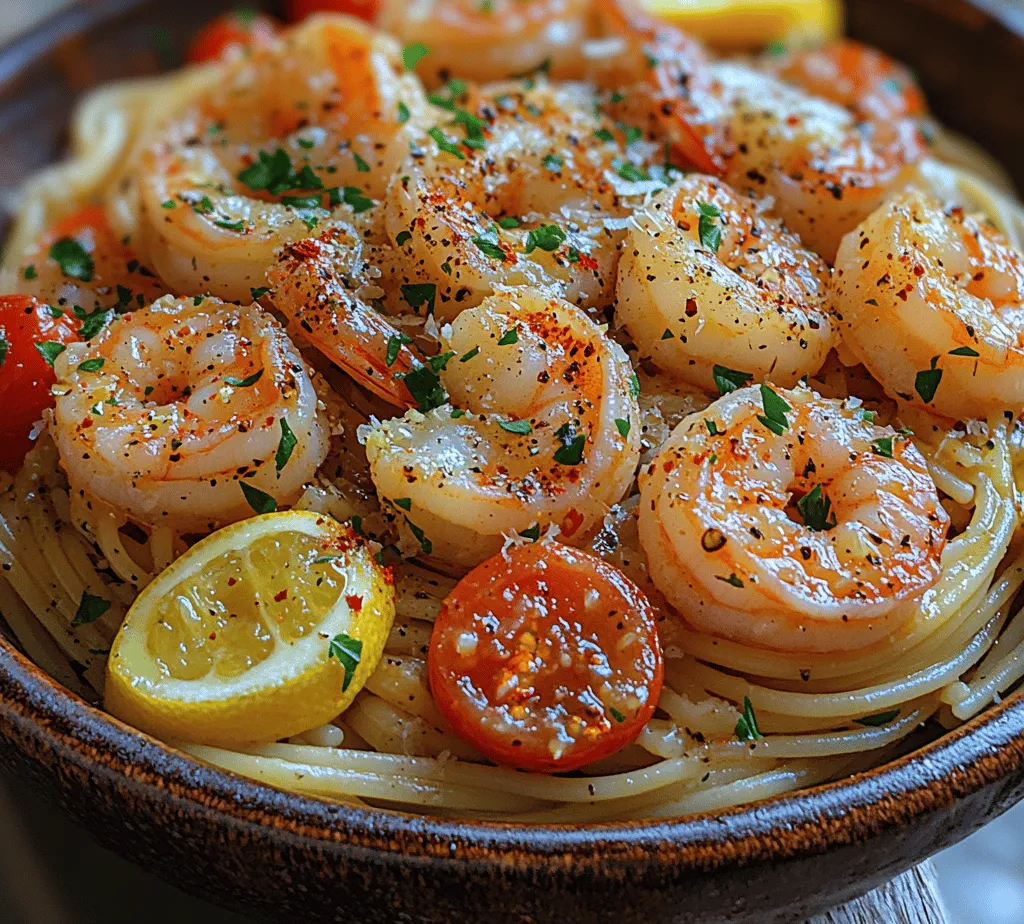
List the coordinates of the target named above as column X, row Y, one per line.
column 262, row 630
column 746, row 25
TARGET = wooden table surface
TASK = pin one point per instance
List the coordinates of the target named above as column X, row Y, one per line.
column 912, row 898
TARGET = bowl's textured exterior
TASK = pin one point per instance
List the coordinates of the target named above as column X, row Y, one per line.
column 290, row 858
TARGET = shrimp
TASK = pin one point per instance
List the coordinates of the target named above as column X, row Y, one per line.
column 791, row 522
column 873, row 86
column 490, row 41
column 314, row 285
column 81, row 264
column 826, row 170
column 707, row 277
column 171, row 411
column 932, row 303
column 662, row 75
column 317, row 121
column 522, row 200
column 545, row 430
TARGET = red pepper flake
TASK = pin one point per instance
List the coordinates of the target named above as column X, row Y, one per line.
column 283, row 595
column 571, row 522
column 232, row 581
column 587, row 262
column 354, row 603
column 86, row 422
column 213, row 636
column 691, row 307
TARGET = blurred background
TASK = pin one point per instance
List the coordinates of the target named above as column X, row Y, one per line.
column 52, row 872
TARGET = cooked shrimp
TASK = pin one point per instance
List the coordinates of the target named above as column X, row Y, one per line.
column 661, row 75
column 524, row 205
column 313, row 288
column 318, row 121
column 80, row 263
column 932, row 302
column 825, row 170
column 708, row 278
column 545, row 430
column 791, row 522
column 169, row 411
column 870, row 84
column 489, row 41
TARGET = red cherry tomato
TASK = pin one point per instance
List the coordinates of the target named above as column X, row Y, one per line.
column 241, row 28
column 361, row 9
column 26, row 375
column 546, row 658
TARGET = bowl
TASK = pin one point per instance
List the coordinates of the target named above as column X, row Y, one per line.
column 287, row 857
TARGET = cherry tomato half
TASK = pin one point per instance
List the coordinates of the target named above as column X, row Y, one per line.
column 361, row 9
column 546, row 658
column 30, row 336
column 241, row 28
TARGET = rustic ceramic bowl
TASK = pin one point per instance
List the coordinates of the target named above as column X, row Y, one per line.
column 291, row 858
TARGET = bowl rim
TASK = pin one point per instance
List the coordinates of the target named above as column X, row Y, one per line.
column 981, row 752
column 35, row 707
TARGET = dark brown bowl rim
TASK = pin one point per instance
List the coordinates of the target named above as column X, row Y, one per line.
column 36, row 708
column 983, row 751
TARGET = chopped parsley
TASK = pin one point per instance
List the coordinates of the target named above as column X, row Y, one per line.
column 348, row 651
column 91, row 365
column 623, row 426
column 509, row 337
column 413, row 54
column 964, row 351
column 426, row 546
column 728, row 380
column 515, row 426
column 260, row 501
column 90, row 608
column 285, row 446
column 708, row 228
column 883, row 446
column 257, row 292
column 927, row 382
column 553, row 162
column 246, row 382
column 571, row 450
column 446, row 144
column 746, row 727
column 545, row 237
column 425, row 387
column 395, row 343
column 775, row 407
column 50, row 350
column 417, row 295
column 73, row 259
column 732, row 579
column 489, row 245
column 92, row 323
column 816, row 509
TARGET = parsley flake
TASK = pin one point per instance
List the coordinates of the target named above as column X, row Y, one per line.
column 286, row 445
column 348, row 651
column 90, row 608
column 260, row 501
column 73, row 259
column 728, row 380
column 746, row 727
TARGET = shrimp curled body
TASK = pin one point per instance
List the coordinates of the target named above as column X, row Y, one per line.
column 315, row 123
column 932, row 303
column 545, row 430
column 748, row 296
column 818, row 538
column 525, row 208
column 167, row 411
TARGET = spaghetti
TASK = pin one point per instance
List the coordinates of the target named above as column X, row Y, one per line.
column 819, row 715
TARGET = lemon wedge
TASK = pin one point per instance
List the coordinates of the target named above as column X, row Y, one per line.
column 262, row 630
column 746, row 25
